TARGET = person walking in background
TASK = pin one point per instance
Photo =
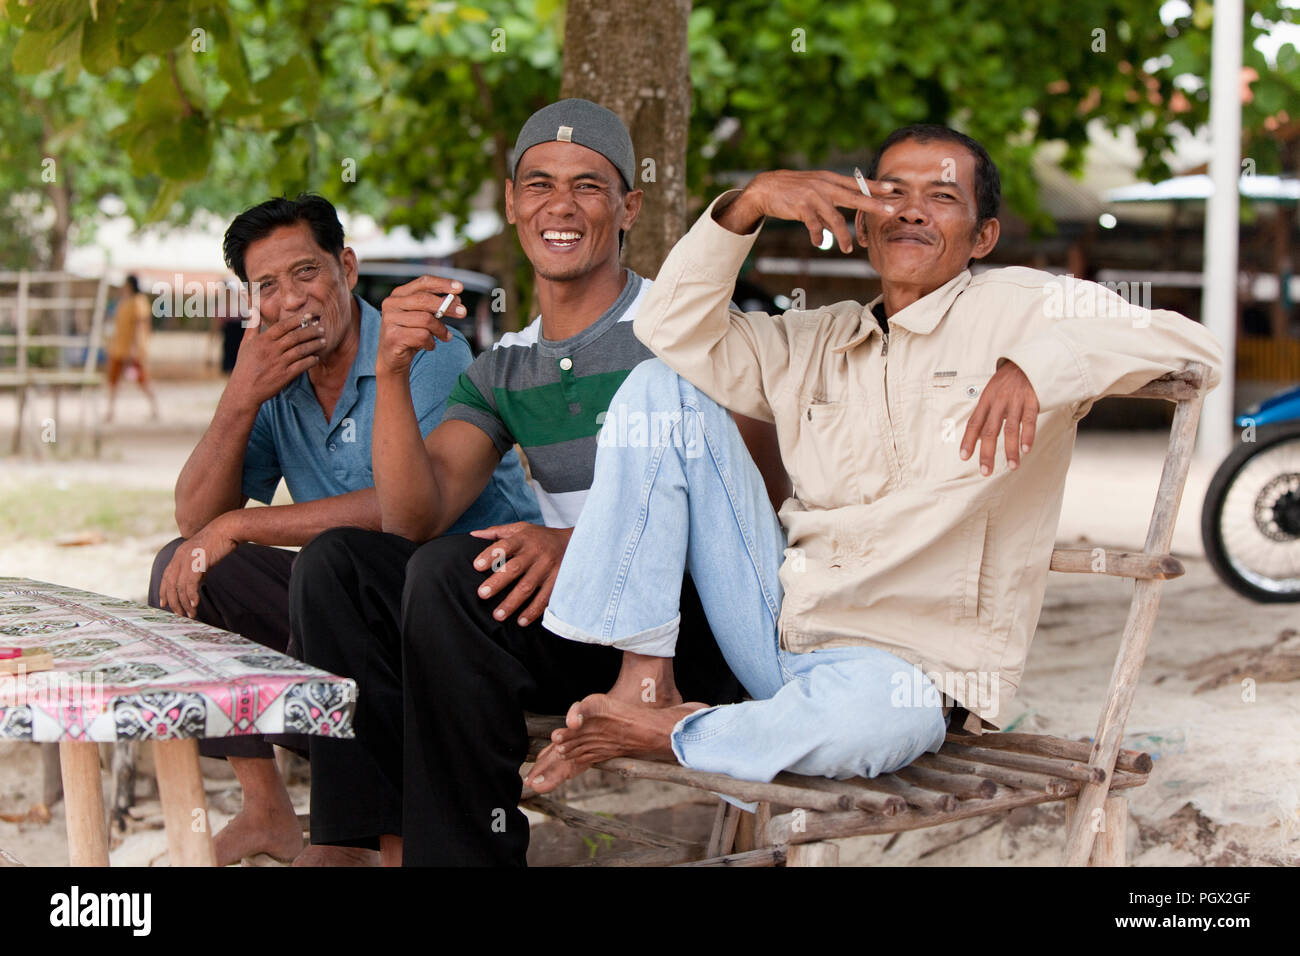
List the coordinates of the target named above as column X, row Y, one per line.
column 130, row 344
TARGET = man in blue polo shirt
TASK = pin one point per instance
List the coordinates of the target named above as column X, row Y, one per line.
column 299, row 406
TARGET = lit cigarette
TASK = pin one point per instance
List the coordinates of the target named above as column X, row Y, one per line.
column 862, row 182
column 442, row 309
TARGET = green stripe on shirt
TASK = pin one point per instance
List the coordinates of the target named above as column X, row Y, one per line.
column 531, row 412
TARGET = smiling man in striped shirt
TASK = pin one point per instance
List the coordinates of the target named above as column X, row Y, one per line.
column 443, row 634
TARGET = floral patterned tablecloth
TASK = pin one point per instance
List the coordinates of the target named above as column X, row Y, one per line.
column 126, row 671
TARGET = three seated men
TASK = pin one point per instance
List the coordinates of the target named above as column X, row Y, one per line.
column 908, row 549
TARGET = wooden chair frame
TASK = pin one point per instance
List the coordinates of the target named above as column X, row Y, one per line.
column 972, row 775
column 21, row 378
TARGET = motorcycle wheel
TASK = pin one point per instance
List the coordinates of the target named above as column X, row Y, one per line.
column 1250, row 523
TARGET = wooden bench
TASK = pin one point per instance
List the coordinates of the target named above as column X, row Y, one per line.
column 59, row 311
column 972, row 774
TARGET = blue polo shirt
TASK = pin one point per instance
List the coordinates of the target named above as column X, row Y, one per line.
column 319, row 459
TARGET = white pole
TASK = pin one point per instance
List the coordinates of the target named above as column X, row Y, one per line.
column 1219, row 304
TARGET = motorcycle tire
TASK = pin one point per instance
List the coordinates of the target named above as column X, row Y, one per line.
column 1262, row 516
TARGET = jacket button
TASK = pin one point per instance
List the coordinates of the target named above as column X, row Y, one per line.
column 333, row 447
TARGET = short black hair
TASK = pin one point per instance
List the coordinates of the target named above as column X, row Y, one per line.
column 261, row 220
column 988, row 184
column 133, row 283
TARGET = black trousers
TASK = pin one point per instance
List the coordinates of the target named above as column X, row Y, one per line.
column 247, row 593
column 443, row 688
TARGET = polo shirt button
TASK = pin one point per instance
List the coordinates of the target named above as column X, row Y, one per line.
column 333, row 447
column 566, row 363
column 972, row 391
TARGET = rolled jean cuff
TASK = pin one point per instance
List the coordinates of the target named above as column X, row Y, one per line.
column 658, row 641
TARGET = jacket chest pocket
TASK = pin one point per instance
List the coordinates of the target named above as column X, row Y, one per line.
column 945, row 408
column 824, row 468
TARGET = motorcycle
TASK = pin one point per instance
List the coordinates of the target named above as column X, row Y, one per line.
column 1250, row 523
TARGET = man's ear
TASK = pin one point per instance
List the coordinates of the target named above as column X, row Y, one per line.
column 631, row 208
column 510, row 201
column 986, row 239
column 349, row 260
column 860, row 228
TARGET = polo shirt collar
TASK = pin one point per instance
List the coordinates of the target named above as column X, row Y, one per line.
column 922, row 316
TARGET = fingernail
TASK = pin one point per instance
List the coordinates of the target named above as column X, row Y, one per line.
column 523, row 622
column 499, row 615
column 1012, row 465
column 539, row 779
column 480, row 564
column 484, row 591
column 559, row 748
column 889, row 209
column 1024, row 449
column 984, row 469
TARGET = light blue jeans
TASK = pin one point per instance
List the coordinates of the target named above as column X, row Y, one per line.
column 675, row 488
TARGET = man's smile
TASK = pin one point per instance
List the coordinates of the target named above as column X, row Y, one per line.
column 561, row 238
column 911, row 236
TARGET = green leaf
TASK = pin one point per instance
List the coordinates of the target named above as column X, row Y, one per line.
column 185, row 152
column 99, row 46
column 167, row 196
column 41, row 50
column 167, row 27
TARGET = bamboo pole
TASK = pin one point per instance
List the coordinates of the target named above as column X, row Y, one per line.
column 863, row 799
column 83, row 796
column 1133, row 761
column 924, row 799
column 1121, row 564
column 964, row 786
column 746, row 790
column 813, row 854
column 185, row 805
column 1071, row 770
column 1137, row 629
column 1021, row 779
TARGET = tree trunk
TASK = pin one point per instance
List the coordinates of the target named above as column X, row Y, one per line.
column 61, row 198
column 631, row 57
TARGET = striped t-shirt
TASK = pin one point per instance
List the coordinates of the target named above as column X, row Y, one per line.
column 549, row 397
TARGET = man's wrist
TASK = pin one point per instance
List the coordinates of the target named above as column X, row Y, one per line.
column 739, row 213
column 232, row 524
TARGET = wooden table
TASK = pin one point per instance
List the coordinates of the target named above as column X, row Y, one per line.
column 126, row 671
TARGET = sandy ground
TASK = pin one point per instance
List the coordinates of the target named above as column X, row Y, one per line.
column 1226, row 783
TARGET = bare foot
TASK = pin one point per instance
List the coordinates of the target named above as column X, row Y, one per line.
column 603, row 726
column 250, row 833
column 318, row 855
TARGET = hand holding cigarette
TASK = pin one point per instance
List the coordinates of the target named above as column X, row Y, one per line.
column 813, row 198
column 413, row 320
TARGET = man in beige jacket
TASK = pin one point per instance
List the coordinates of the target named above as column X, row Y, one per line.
column 914, row 568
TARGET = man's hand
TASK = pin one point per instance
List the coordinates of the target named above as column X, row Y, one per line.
column 1009, row 405
column 179, row 589
column 271, row 357
column 411, row 321
column 526, row 551
column 808, row 197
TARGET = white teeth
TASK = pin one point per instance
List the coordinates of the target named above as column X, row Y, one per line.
column 554, row 235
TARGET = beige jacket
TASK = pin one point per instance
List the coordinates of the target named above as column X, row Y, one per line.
column 893, row 540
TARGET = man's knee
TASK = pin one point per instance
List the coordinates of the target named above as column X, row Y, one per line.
column 444, row 568
column 327, row 556
column 160, row 562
